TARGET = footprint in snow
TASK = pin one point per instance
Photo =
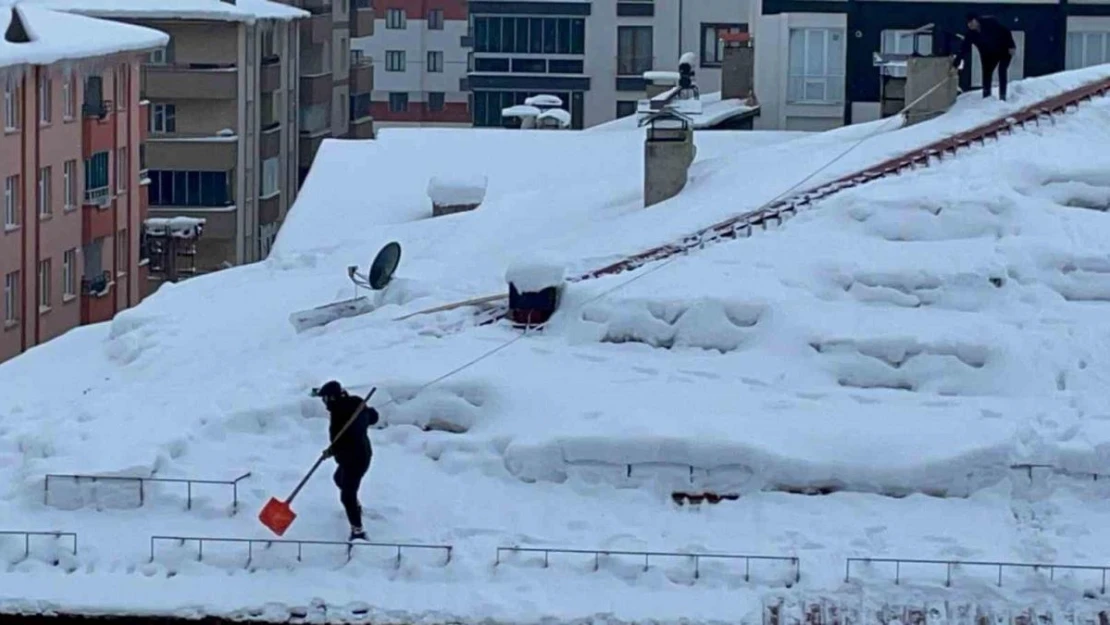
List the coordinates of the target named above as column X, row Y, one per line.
column 590, row 357
column 646, row 370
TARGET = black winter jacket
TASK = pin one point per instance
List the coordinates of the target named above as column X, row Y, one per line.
column 353, row 448
column 993, row 40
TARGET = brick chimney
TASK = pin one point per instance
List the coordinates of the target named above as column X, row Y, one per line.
column 738, row 67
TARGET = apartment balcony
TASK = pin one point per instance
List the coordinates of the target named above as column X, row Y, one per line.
column 269, row 78
column 362, row 128
column 316, row 88
column 308, row 145
column 269, row 140
column 97, row 215
column 169, row 82
column 317, row 7
column 362, row 22
column 96, row 306
column 362, row 75
column 192, row 152
column 269, row 209
column 316, row 29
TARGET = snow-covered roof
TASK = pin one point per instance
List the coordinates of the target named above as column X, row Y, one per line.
column 706, row 112
column 560, row 116
column 544, row 100
column 919, row 333
column 215, row 10
column 520, row 110
column 59, row 36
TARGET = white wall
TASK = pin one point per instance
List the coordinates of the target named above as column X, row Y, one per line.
column 771, row 35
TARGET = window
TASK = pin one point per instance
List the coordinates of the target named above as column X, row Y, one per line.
column 69, row 184
column 816, row 66
column 163, row 56
column 626, row 108
column 1086, row 49
column 93, row 254
column 712, row 46
column 436, row 101
column 530, row 35
column 69, row 105
column 121, row 169
column 360, row 105
column 163, row 118
column 398, row 102
column 123, row 252
column 902, row 42
column 94, row 97
column 44, row 285
column 12, row 209
column 564, row 66
column 45, row 208
column 435, row 19
column 44, row 98
column 121, row 86
column 11, row 298
column 270, row 177
column 69, row 273
column 396, row 19
column 634, row 50
column 190, row 188
column 394, row 60
column 96, row 175
column 435, row 61
column 11, row 107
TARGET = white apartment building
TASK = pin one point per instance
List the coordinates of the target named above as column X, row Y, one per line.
column 420, row 50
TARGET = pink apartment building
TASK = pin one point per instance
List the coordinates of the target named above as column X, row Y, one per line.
column 70, row 165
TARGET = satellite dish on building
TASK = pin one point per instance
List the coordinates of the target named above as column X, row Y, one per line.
column 385, row 263
column 381, row 268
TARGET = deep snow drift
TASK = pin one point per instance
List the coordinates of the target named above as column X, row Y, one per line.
column 899, row 346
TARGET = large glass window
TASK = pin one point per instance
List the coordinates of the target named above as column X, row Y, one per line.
column 530, row 35
column 816, row 74
column 190, row 188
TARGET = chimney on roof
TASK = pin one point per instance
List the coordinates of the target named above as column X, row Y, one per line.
column 738, row 67
column 16, row 32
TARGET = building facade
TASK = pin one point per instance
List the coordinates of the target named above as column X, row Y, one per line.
column 70, row 157
column 814, row 67
column 336, row 81
column 590, row 54
column 420, row 48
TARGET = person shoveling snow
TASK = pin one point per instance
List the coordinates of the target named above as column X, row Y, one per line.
column 350, row 448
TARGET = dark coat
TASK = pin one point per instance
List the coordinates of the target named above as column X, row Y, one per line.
column 353, row 448
column 993, row 40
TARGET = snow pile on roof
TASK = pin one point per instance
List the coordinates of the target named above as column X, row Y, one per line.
column 903, row 342
column 58, row 36
column 544, row 100
column 520, row 110
column 560, row 117
column 534, row 274
column 457, row 190
column 217, row 10
column 182, row 227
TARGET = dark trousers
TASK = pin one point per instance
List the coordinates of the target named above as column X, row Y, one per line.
column 348, row 477
column 989, row 65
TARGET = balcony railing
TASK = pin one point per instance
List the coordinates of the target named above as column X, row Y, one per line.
column 99, row 196
column 97, row 285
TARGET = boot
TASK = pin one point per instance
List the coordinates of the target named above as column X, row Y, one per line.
column 357, row 533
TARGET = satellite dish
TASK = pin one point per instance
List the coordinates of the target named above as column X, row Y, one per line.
column 385, row 263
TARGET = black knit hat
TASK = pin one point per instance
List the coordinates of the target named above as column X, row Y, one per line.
column 972, row 16
column 331, row 390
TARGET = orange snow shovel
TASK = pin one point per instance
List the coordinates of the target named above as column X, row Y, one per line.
column 278, row 515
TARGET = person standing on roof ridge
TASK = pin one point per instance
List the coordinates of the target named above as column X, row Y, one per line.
column 352, row 450
column 996, row 50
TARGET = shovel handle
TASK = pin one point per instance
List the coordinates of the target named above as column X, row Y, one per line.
column 324, row 454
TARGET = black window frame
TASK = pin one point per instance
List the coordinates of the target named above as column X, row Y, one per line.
column 396, row 97
column 390, row 65
column 437, row 101
column 435, row 19
column 391, row 21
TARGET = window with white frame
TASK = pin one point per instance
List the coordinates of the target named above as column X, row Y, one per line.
column 902, row 42
column 435, row 61
column 11, row 298
column 396, row 19
column 69, row 184
column 121, row 170
column 270, row 173
column 44, row 285
column 69, row 272
column 11, row 107
column 394, row 60
column 1087, row 48
column 45, row 208
column 69, row 106
column 816, row 66
column 163, row 118
column 44, row 98
column 11, row 202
